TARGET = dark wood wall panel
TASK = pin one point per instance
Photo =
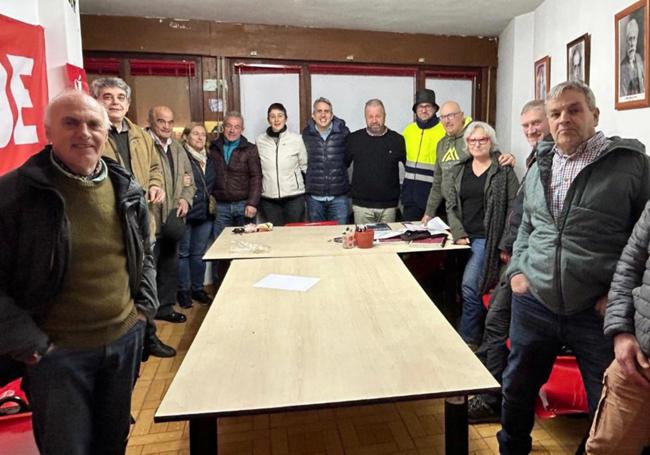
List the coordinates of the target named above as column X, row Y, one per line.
column 134, row 34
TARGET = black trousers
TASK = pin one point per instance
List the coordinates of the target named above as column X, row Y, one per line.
column 165, row 253
column 493, row 351
column 284, row 210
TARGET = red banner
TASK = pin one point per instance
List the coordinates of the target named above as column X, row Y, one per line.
column 23, row 92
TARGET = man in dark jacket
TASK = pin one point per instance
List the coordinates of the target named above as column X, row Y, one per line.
column 327, row 182
column 582, row 199
column 74, row 322
column 622, row 425
column 238, row 177
column 493, row 351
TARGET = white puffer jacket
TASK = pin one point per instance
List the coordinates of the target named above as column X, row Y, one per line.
column 283, row 163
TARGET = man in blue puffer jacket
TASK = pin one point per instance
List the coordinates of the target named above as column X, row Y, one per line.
column 327, row 182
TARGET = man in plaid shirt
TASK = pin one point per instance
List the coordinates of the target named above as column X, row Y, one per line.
column 582, row 199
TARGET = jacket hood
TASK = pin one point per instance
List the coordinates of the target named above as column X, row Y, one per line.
column 460, row 134
column 545, row 146
column 40, row 171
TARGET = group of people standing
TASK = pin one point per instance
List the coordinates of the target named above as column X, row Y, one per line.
column 574, row 240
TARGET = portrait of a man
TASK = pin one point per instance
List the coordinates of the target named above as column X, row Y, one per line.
column 631, row 50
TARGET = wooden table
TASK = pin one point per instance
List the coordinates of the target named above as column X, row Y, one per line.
column 365, row 333
column 308, row 241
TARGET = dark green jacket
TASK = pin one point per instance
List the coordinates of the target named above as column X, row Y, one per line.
column 453, row 203
column 570, row 261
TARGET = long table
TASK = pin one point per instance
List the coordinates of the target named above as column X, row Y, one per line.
column 365, row 333
column 308, row 241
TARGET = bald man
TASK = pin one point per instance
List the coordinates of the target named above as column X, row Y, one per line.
column 179, row 193
column 67, row 217
column 451, row 149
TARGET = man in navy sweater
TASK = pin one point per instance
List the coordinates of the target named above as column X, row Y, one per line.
column 376, row 152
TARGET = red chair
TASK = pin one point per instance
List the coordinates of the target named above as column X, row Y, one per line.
column 564, row 392
column 312, row 223
column 16, row 422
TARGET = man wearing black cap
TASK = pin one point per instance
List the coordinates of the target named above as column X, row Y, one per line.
column 421, row 139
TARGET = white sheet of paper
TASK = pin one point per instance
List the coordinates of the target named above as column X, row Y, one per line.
column 436, row 224
column 381, row 235
column 287, row 282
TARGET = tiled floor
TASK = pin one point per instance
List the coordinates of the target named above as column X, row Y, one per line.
column 407, row 428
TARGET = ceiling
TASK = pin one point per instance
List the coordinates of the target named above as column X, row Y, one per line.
column 438, row 17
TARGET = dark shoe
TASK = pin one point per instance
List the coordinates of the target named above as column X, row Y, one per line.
column 184, row 299
column 478, row 411
column 159, row 349
column 201, row 297
column 174, row 317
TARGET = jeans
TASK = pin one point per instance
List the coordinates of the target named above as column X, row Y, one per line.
column 81, row 398
column 192, row 247
column 284, row 210
column 228, row 214
column 471, row 320
column 536, row 336
column 337, row 209
column 165, row 253
column 368, row 215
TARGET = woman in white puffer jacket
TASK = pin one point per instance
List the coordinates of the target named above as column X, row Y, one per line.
column 284, row 161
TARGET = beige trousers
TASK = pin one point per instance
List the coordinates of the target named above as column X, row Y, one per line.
column 621, row 425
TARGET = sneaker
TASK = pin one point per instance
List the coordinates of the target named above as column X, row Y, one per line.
column 201, row 297
column 479, row 411
column 184, row 299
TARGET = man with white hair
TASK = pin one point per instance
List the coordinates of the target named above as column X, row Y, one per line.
column 631, row 77
column 76, row 282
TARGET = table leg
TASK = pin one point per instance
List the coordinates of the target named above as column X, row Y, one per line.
column 456, row 429
column 203, row 436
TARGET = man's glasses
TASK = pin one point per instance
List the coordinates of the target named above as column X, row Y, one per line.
column 474, row 141
column 449, row 116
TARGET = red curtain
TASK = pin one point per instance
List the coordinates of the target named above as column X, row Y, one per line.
column 23, row 92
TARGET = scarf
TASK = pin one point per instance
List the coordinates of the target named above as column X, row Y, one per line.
column 275, row 134
column 496, row 211
column 200, row 156
column 425, row 125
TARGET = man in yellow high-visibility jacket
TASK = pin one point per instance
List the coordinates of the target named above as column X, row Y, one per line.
column 421, row 139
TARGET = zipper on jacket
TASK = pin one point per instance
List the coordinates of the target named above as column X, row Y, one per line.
column 277, row 166
column 417, row 158
column 568, row 200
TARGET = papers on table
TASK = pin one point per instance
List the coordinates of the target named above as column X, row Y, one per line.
column 435, row 226
column 287, row 282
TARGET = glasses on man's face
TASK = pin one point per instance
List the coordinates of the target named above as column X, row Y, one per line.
column 449, row 116
column 475, row 141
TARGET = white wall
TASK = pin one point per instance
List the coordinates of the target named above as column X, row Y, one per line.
column 546, row 31
column 62, row 34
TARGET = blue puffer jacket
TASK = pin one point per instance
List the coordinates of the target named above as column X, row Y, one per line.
column 327, row 174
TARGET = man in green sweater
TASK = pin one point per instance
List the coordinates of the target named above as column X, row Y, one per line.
column 76, row 282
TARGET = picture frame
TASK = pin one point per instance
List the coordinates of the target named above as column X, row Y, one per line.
column 578, row 55
column 542, row 77
column 631, row 57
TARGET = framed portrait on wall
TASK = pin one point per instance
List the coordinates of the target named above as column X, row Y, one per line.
column 631, row 34
column 542, row 77
column 577, row 59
